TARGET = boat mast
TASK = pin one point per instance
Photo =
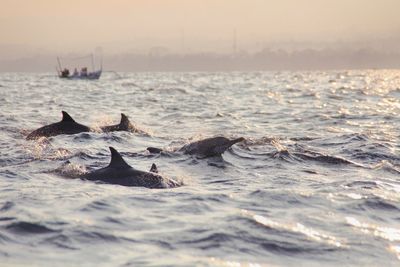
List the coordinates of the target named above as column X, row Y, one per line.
column 59, row 64
column 92, row 62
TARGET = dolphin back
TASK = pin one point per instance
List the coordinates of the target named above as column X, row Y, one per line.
column 124, row 125
column 66, row 126
column 121, row 173
column 210, row 147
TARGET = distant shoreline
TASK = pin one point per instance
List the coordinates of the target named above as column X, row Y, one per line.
column 265, row 60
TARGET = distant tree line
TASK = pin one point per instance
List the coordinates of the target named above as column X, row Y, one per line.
column 266, row 59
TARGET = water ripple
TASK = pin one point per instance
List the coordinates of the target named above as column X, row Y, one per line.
column 316, row 181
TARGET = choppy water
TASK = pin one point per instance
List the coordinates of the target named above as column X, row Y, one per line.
column 316, row 183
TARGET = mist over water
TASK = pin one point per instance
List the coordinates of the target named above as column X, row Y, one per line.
column 315, row 183
column 44, row 28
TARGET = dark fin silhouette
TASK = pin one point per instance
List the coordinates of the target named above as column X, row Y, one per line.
column 154, row 168
column 124, row 120
column 66, row 117
column 154, row 150
column 116, row 160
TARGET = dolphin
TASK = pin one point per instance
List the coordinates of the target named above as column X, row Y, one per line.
column 124, row 125
column 121, row 173
column 209, row 147
column 66, row 126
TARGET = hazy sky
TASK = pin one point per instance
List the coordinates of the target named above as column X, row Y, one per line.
column 129, row 25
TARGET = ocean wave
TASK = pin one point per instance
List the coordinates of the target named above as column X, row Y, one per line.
column 387, row 166
column 83, row 137
column 377, row 203
column 95, row 237
column 297, row 228
column 327, row 159
column 98, row 205
column 210, row 241
column 9, row 174
column 7, row 206
column 373, row 156
column 388, row 233
column 363, row 184
column 23, row 227
column 61, row 241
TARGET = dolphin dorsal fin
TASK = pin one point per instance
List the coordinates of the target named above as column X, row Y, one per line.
column 116, row 160
column 66, row 117
column 124, row 120
column 154, row 168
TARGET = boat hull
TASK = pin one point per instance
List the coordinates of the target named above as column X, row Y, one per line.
column 90, row 76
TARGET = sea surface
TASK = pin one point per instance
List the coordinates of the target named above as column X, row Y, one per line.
column 316, row 183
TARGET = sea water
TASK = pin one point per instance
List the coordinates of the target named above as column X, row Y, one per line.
column 316, row 183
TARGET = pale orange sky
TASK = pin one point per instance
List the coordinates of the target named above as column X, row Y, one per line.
column 123, row 25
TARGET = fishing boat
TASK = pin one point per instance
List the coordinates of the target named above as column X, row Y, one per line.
column 82, row 74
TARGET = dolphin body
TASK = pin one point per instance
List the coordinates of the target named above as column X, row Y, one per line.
column 124, row 125
column 209, row 147
column 121, row 173
column 66, row 126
